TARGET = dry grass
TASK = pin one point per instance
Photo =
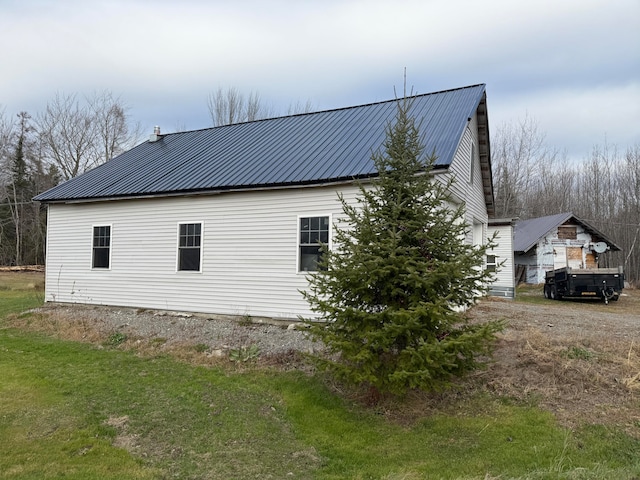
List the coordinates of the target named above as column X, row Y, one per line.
column 579, row 380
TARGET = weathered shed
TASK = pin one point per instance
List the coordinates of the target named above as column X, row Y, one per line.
column 555, row 241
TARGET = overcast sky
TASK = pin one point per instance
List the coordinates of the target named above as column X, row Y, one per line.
column 571, row 65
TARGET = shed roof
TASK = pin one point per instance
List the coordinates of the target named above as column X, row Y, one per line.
column 527, row 233
column 304, row 149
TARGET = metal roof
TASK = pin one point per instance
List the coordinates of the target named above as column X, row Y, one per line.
column 527, row 233
column 312, row 148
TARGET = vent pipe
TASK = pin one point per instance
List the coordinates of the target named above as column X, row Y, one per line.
column 155, row 136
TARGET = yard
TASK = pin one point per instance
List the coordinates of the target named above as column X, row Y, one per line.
column 113, row 393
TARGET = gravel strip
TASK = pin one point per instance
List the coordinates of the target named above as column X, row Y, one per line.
column 218, row 333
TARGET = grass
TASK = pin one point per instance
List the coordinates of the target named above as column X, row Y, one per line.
column 19, row 292
column 83, row 411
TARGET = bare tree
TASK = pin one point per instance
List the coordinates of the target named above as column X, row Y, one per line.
column 81, row 135
column 300, row 107
column 516, row 152
column 114, row 131
column 70, row 135
column 7, row 135
column 553, row 186
column 229, row 106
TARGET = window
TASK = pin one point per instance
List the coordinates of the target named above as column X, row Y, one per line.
column 101, row 247
column 491, row 263
column 313, row 232
column 566, row 232
column 189, row 246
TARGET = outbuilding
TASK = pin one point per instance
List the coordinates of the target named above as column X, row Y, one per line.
column 547, row 243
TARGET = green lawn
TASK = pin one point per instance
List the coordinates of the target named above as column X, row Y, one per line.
column 77, row 411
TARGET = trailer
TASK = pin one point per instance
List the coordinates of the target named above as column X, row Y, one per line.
column 604, row 283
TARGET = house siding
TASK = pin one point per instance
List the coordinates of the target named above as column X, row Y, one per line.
column 249, row 250
column 504, row 285
column 469, row 189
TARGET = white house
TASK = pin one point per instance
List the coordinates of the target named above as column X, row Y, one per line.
column 555, row 241
column 228, row 220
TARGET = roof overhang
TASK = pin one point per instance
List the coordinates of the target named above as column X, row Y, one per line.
column 484, row 151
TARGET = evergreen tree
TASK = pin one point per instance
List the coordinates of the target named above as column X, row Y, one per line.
column 391, row 290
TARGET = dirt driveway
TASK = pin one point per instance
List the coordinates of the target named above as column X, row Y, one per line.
column 580, row 359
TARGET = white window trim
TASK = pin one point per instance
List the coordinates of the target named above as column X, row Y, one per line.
column 101, row 269
column 177, row 265
column 297, row 237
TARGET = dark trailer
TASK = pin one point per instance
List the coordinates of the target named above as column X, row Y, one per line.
column 604, row 283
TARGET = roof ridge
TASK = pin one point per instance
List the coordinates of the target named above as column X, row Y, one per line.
column 338, row 109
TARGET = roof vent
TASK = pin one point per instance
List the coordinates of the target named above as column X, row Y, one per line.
column 155, row 136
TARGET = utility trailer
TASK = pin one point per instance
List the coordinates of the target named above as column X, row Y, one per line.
column 604, row 283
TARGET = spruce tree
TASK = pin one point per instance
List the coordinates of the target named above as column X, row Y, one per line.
column 390, row 292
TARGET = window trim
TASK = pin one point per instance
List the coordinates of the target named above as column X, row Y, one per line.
column 177, row 265
column 93, row 247
column 297, row 237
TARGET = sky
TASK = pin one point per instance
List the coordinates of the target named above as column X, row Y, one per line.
column 571, row 66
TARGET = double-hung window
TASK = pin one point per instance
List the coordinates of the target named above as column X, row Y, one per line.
column 492, row 262
column 313, row 231
column 101, row 247
column 189, row 246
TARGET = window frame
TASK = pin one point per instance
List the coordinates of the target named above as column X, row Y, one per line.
column 179, row 247
column 299, row 244
column 94, row 247
column 491, row 266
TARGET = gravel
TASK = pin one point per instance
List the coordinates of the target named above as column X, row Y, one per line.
column 220, row 334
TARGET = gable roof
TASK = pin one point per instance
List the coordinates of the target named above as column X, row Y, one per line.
column 306, row 149
column 527, row 233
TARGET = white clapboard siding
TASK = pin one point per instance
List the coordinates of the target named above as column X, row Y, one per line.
column 468, row 188
column 504, row 285
column 249, row 250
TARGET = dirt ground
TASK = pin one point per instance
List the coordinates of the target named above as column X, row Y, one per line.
column 579, row 359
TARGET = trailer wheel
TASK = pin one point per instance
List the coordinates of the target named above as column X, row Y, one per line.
column 554, row 293
column 546, row 291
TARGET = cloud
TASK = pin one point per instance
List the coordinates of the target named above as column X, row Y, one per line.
column 559, row 61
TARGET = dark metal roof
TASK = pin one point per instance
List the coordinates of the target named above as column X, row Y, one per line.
column 311, row 148
column 527, row 233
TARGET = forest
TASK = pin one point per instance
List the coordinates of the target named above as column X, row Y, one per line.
column 531, row 178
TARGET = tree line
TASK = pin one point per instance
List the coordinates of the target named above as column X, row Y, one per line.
column 533, row 180
column 37, row 152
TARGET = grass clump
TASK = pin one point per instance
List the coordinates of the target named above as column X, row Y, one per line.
column 201, row 347
column 245, row 354
column 116, row 339
column 578, row 353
